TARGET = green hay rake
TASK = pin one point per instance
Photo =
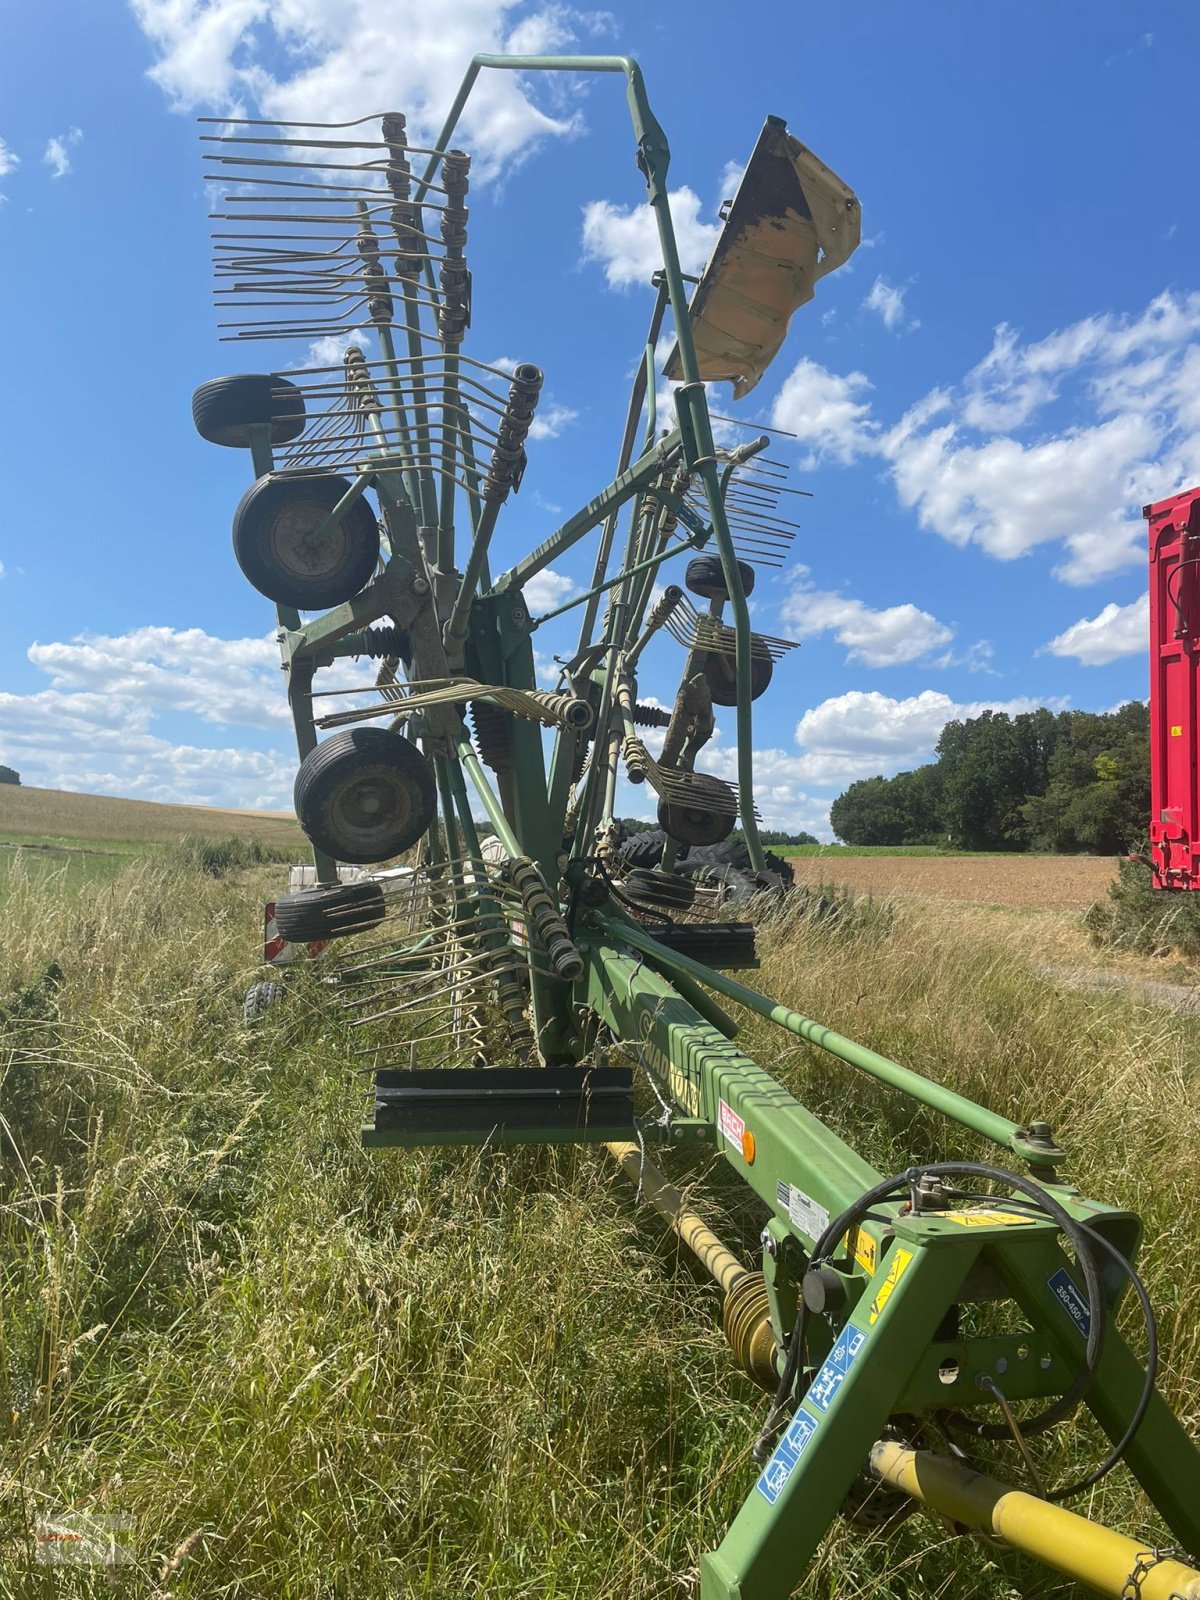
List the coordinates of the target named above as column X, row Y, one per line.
column 910, row 1328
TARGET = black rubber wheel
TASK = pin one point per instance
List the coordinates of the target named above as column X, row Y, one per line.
column 330, row 911
column 225, row 409
column 644, row 849
column 706, row 576
column 661, row 890
column 720, row 672
column 365, row 795
column 260, row 997
column 692, row 822
column 738, row 885
column 734, row 853
column 272, row 539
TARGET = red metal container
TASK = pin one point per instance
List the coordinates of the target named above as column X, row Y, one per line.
column 1174, row 690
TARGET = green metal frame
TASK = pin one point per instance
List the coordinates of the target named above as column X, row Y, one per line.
column 884, row 1351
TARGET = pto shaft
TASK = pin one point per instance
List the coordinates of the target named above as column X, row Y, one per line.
column 1106, row 1561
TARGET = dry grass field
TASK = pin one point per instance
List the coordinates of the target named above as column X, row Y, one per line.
column 54, row 814
column 1059, row 883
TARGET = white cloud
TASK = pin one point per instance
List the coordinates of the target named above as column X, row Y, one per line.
column 780, row 794
column 862, row 733
column 173, row 669
column 826, row 412
column 330, row 58
column 885, row 638
column 624, row 239
column 887, row 301
column 547, row 589
column 549, row 421
column 9, row 160
column 1130, row 387
column 57, row 153
column 1116, row 631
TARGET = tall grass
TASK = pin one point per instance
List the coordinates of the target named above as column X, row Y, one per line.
column 307, row 1371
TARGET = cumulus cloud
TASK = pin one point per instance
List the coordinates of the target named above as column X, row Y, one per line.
column 885, row 638
column 9, row 160
column 624, row 239
column 967, row 461
column 862, row 733
column 780, row 792
column 887, row 301
column 1116, row 631
column 331, row 58
column 829, row 413
column 96, row 727
column 57, row 154
column 547, row 589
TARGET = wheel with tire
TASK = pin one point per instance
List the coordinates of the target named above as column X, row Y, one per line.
column 691, row 821
column 661, row 890
column 273, row 541
column 225, row 409
column 644, row 849
column 365, row 795
column 734, row 853
column 705, row 576
column 330, row 911
column 720, row 673
column 260, row 997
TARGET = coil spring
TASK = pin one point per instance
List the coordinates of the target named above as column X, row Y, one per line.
column 379, row 295
column 493, row 735
column 508, row 455
column 454, row 315
column 543, row 914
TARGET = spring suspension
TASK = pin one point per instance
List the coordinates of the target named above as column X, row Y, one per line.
column 544, row 916
column 454, row 314
column 508, row 456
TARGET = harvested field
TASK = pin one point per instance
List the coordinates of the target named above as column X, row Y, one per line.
column 1056, row 883
column 58, row 814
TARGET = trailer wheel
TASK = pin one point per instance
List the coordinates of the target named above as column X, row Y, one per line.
column 330, row 911
column 720, row 673
column 364, row 795
column 273, row 541
column 260, row 997
column 225, row 409
column 644, row 849
column 691, row 821
column 705, row 576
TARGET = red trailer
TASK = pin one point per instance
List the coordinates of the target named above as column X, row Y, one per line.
column 1174, row 527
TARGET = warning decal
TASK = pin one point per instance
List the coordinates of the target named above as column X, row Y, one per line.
column 897, row 1267
column 731, row 1126
column 985, row 1217
column 787, row 1454
column 837, row 1367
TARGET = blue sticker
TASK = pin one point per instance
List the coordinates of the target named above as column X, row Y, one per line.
column 837, row 1365
column 1064, row 1290
column 787, row 1454
column 690, row 518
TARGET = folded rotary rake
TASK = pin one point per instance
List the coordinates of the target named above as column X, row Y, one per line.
column 534, row 973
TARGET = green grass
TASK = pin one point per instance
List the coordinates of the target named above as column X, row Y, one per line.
column 308, row 1371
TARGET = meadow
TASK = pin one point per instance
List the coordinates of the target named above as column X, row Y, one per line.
column 306, row 1371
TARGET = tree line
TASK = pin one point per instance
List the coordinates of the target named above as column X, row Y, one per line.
column 1065, row 781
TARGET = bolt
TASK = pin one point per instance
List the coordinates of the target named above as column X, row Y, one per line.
column 419, row 585
column 519, row 616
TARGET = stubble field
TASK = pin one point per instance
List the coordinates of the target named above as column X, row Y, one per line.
column 1050, row 883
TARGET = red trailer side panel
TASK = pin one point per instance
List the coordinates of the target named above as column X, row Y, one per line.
column 1174, row 665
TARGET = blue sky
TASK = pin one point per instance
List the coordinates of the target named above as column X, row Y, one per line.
column 1007, row 369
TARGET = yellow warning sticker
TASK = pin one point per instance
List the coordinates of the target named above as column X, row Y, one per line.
column 984, row 1217
column 864, row 1250
column 897, row 1268
column 1177, row 733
